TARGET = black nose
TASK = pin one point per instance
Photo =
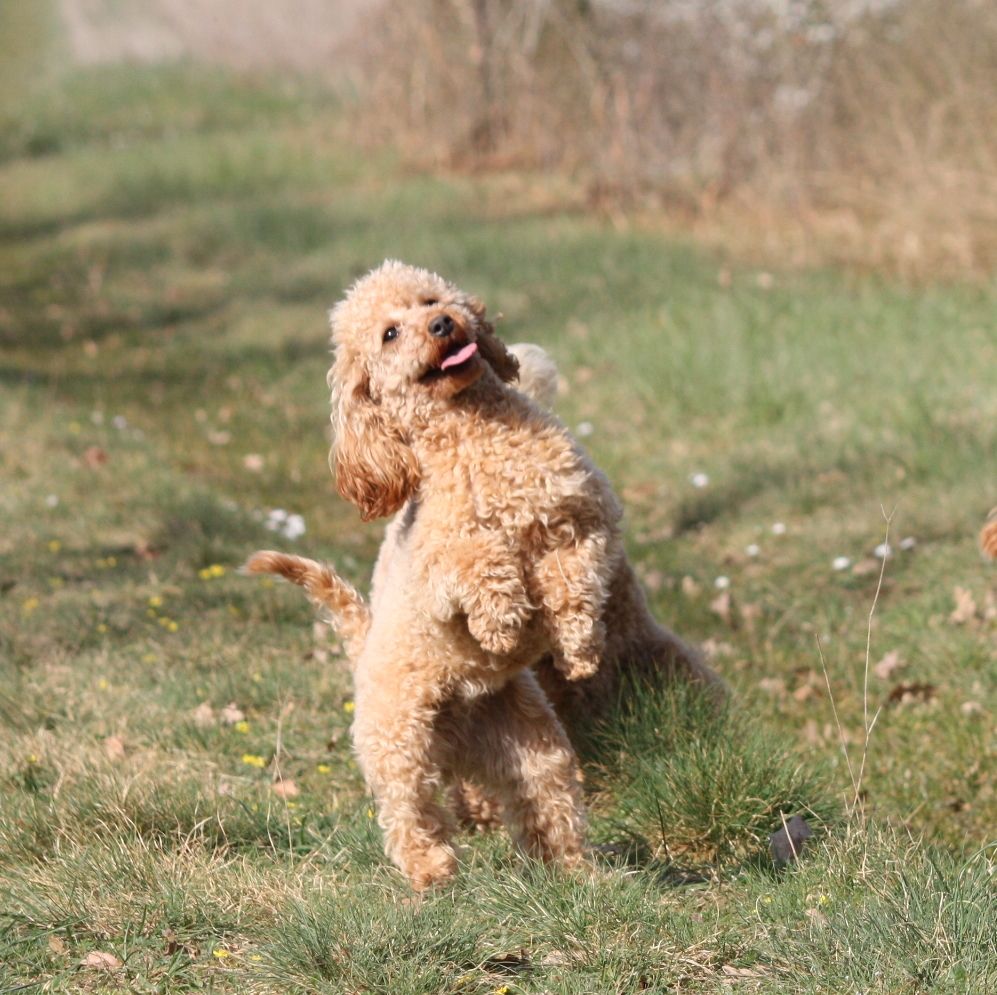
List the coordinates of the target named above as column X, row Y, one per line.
column 441, row 326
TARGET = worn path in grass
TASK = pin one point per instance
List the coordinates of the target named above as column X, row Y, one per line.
column 169, row 242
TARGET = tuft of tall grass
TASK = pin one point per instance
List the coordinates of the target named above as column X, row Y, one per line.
column 694, row 779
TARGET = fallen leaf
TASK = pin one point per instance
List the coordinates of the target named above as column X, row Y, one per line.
column 556, row 958
column 787, row 843
column 689, row 587
column 721, row 605
column 811, row 733
column 885, row 668
column 102, row 960
column 114, row 748
column 176, row 946
column 749, row 615
column 203, row 715
column 965, row 606
column 867, row 566
column 232, row 713
column 990, row 606
column 731, row 971
column 716, row 647
column 285, row 789
column 94, row 457
column 144, row 551
column 905, row 694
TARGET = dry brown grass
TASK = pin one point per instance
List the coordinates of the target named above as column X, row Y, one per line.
column 862, row 133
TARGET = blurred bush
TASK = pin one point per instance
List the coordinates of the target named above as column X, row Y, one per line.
column 859, row 130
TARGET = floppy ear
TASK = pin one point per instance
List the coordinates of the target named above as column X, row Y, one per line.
column 491, row 347
column 372, row 461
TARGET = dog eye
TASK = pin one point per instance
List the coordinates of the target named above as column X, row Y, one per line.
column 390, row 334
column 430, row 302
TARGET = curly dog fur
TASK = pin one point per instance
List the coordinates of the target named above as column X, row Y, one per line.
column 501, row 586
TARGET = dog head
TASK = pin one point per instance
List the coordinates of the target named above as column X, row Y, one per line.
column 406, row 343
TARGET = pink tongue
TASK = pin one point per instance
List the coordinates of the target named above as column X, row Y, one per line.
column 460, row 357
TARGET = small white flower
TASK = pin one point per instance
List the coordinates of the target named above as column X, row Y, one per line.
column 722, row 583
column 882, row 551
column 275, row 519
column 841, row 563
column 51, row 500
column 699, row 480
column 120, row 422
column 584, row 429
column 753, row 549
column 778, row 528
column 908, row 544
column 294, row 527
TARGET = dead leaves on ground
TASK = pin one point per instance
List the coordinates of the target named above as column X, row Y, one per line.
column 968, row 612
column 101, row 960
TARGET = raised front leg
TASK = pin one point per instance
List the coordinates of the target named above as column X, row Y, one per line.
column 393, row 734
column 571, row 584
column 481, row 576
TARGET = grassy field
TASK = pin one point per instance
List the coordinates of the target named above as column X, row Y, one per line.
column 179, row 809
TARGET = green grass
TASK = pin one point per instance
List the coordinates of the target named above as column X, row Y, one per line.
column 169, row 242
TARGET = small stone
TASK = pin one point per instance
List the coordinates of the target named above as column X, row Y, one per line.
column 787, row 843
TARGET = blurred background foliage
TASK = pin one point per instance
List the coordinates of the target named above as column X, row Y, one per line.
column 854, row 131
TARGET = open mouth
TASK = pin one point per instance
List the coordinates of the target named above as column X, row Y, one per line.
column 456, row 358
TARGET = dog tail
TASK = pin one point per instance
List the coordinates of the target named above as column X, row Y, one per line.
column 345, row 606
column 537, row 373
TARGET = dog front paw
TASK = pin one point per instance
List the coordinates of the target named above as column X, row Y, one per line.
column 496, row 634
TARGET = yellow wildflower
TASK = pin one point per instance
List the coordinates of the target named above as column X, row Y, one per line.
column 370, row 813
column 155, row 601
column 349, row 707
column 209, row 573
column 253, row 760
column 54, row 545
column 241, row 726
column 324, row 769
column 28, row 606
column 221, row 953
column 102, row 627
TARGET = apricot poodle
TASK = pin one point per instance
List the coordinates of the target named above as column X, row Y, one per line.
column 501, row 585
